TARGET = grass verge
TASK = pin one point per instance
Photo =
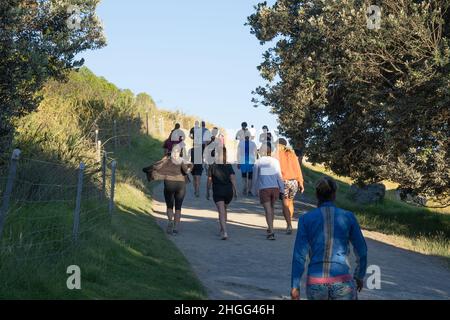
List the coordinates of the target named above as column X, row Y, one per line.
column 124, row 257
column 413, row 228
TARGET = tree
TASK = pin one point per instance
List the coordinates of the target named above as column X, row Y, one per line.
column 40, row 40
column 369, row 104
column 144, row 102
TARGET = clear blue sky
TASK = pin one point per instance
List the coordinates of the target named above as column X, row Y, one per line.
column 196, row 56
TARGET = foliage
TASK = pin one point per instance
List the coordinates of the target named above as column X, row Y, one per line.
column 127, row 258
column 37, row 43
column 369, row 104
column 418, row 229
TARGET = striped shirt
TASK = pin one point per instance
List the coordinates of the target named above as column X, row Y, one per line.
column 324, row 234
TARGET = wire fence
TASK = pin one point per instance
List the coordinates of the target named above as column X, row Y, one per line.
column 118, row 133
column 48, row 206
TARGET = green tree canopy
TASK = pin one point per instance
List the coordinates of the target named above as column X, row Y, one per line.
column 144, row 102
column 40, row 40
column 369, row 104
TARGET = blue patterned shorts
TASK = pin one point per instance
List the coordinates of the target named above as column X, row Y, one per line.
column 335, row 291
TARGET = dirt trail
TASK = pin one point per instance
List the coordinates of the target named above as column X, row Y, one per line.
column 248, row 266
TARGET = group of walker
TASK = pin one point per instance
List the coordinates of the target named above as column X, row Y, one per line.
column 271, row 177
column 323, row 235
column 271, row 172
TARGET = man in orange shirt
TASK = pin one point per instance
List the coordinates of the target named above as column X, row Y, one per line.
column 293, row 179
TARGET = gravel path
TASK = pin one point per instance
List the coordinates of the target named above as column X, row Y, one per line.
column 248, row 266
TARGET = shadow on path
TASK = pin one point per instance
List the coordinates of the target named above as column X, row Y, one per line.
column 247, row 266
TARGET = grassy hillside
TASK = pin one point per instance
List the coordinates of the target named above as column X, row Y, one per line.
column 415, row 228
column 125, row 256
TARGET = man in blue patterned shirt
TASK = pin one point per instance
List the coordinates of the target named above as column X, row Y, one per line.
column 324, row 234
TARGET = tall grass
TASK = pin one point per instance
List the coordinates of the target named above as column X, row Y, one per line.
column 126, row 256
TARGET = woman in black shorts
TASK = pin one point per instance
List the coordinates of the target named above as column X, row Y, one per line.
column 222, row 179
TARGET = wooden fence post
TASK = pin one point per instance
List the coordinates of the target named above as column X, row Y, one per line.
column 113, row 186
column 104, row 163
column 96, row 139
column 9, row 188
column 99, row 151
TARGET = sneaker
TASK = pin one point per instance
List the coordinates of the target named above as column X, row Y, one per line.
column 175, row 232
column 289, row 230
column 169, row 229
column 271, row 236
column 225, row 236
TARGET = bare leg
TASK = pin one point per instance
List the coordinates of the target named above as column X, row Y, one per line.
column 246, row 186
column 269, row 215
column 291, row 208
column 221, row 208
column 273, row 213
column 197, row 185
column 287, row 212
column 177, row 220
column 226, row 213
column 170, row 216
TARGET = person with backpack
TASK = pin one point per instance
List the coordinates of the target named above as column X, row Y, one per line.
column 324, row 235
column 222, row 180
